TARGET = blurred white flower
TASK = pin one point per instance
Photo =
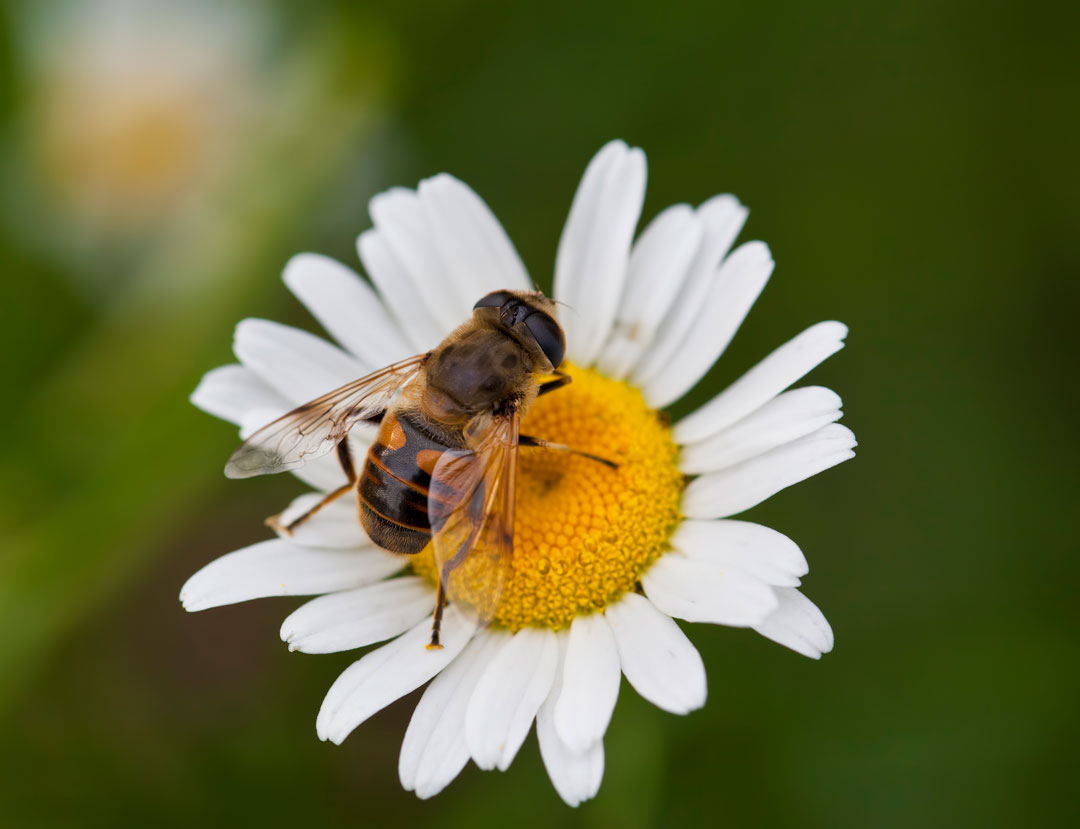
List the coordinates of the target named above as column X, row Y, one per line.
column 136, row 108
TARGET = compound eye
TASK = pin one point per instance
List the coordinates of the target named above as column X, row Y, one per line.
column 548, row 335
column 496, row 299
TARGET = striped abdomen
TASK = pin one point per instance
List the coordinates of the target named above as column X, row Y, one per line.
column 393, row 486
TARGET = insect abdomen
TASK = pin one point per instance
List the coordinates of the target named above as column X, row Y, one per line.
column 393, row 489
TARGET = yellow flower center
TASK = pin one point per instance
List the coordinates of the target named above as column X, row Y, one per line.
column 583, row 532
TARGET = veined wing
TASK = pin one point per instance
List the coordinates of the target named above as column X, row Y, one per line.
column 471, row 510
column 315, row 428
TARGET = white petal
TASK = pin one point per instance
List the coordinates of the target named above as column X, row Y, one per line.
column 700, row 591
column 334, row 526
column 508, row 695
column 434, row 750
column 472, row 244
column 722, row 217
column 749, row 483
column 758, row 551
column 355, row 618
column 299, row 365
column 400, row 221
column 797, row 624
column 388, row 673
column 347, row 308
column 738, row 283
column 575, row 775
column 659, row 661
column 659, row 264
column 280, row 568
column 590, row 683
column 783, row 419
column 590, row 267
column 763, row 382
column 231, row 392
column 397, row 289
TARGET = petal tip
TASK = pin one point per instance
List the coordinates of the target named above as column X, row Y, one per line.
column 755, row 249
column 835, row 330
column 439, row 181
column 189, row 598
column 296, row 265
column 614, row 145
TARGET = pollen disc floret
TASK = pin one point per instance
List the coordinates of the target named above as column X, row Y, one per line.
column 583, row 532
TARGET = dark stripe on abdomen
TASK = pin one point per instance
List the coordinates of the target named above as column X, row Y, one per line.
column 393, row 499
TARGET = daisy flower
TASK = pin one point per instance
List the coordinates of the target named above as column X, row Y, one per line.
column 604, row 561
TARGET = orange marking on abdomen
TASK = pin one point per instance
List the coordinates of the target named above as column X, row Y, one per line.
column 396, row 438
column 427, row 458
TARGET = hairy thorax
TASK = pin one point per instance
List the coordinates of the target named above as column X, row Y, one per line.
column 474, row 373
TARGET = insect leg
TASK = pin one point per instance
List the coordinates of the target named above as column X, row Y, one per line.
column 529, row 440
column 444, row 578
column 344, row 454
column 561, row 379
column 346, row 461
column 436, row 622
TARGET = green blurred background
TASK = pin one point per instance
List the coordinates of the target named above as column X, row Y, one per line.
column 913, row 167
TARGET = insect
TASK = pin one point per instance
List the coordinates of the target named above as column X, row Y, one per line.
column 443, row 468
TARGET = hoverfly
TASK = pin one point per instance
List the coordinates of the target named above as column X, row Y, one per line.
column 443, row 467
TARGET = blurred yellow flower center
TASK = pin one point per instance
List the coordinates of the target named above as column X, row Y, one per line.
column 583, row 532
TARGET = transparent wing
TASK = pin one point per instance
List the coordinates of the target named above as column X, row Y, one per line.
column 315, row 428
column 471, row 510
